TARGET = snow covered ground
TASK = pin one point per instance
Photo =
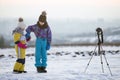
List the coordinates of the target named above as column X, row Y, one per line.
column 64, row 63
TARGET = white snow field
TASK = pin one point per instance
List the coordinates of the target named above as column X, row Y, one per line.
column 64, row 63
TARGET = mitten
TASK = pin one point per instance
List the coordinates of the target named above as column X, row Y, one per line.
column 28, row 37
column 20, row 45
column 48, row 46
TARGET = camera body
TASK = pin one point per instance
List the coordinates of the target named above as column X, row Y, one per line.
column 100, row 35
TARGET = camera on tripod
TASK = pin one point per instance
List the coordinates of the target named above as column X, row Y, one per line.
column 100, row 35
column 100, row 51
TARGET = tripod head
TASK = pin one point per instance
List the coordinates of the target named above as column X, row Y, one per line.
column 100, row 35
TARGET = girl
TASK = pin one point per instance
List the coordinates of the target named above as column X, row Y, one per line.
column 43, row 40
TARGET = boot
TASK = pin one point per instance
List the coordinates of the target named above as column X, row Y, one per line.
column 22, row 71
column 41, row 70
column 16, row 72
column 44, row 69
column 38, row 69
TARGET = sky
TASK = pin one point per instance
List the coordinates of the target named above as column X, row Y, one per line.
column 83, row 9
column 59, row 11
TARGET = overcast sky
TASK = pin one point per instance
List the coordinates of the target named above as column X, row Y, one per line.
column 84, row 9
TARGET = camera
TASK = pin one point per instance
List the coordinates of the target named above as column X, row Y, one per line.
column 100, row 35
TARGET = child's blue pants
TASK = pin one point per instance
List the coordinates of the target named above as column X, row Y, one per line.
column 40, row 52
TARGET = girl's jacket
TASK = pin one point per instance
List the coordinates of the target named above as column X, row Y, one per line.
column 40, row 32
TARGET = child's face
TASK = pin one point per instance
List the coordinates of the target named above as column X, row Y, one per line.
column 41, row 23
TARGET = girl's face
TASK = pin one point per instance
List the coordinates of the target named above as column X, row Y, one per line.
column 41, row 23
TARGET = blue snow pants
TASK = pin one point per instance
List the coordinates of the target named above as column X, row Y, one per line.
column 40, row 52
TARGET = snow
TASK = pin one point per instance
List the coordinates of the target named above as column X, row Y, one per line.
column 64, row 63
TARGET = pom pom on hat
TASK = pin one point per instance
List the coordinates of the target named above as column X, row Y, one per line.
column 20, row 19
column 44, row 13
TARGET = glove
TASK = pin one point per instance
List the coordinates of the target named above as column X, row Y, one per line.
column 48, row 46
column 20, row 45
column 28, row 37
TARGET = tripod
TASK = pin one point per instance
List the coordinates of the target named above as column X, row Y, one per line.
column 100, row 51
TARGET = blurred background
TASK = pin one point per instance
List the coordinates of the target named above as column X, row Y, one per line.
column 73, row 22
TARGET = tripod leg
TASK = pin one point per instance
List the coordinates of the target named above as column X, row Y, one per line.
column 101, row 63
column 108, row 65
column 90, row 60
column 100, row 53
column 106, row 61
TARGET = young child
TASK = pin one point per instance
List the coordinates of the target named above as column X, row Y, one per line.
column 43, row 35
column 20, row 47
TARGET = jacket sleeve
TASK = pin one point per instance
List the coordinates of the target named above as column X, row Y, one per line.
column 49, row 35
column 30, row 29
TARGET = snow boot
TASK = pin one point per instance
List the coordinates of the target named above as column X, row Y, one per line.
column 44, row 69
column 38, row 69
column 22, row 71
column 41, row 70
column 17, row 72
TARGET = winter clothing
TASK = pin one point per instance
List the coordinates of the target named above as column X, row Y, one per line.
column 40, row 54
column 28, row 37
column 41, row 70
column 40, row 33
column 20, row 19
column 20, row 46
column 18, row 30
column 42, row 17
column 48, row 46
column 43, row 40
column 16, row 72
column 21, row 25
